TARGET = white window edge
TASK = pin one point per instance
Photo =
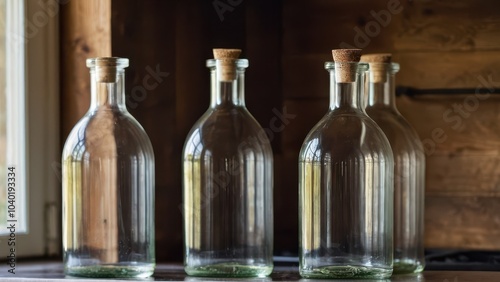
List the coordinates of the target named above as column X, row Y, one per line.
column 15, row 107
column 41, row 44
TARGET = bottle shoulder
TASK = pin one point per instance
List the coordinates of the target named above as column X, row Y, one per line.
column 108, row 133
column 402, row 136
column 345, row 136
column 347, row 125
column 227, row 130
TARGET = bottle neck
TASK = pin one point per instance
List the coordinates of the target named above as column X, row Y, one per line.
column 107, row 93
column 345, row 95
column 382, row 93
column 227, row 92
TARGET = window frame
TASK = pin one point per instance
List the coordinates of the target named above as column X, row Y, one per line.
column 38, row 76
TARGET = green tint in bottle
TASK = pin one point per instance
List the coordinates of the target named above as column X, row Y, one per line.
column 108, row 184
column 346, row 184
column 227, row 182
column 409, row 163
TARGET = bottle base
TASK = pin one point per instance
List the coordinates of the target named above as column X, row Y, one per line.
column 346, row 272
column 404, row 267
column 111, row 271
column 230, row 269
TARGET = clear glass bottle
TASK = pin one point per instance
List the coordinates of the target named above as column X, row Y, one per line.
column 345, row 185
column 409, row 161
column 108, row 184
column 227, row 182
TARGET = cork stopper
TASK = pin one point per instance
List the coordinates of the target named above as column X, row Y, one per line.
column 379, row 64
column 345, row 70
column 107, row 68
column 227, row 58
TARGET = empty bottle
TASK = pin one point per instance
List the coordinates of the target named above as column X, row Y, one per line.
column 345, row 184
column 227, row 182
column 409, row 164
column 108, row 184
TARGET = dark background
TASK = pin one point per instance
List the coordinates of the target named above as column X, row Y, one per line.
column 447, row 51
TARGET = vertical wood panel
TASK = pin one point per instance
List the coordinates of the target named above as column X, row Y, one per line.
column 144, row 32
column 192, row 76
column 445, row 44
column 264, row 98
column 179, row 35
column 85, row 33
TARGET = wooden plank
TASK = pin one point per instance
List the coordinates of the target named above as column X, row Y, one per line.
column 462, row 146
column 192, row 49
column 286, row 209
column 307, row 114
column 263, row 98
column 447, row 26
column 151, row 99
column 391, row 25
column 199, row 29
column 448, row 69
column 263, row 93
column 305, row 77
column 319, row 26
column 85, row 33
column 462, row 222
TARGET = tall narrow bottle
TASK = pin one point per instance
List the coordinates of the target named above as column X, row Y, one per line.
column 345, row 184
column 108, row 184
column 228, row 182
column 409, row 161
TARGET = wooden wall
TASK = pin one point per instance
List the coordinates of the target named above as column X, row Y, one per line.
column 441, row 45
column 177, row 37
column 85, row 32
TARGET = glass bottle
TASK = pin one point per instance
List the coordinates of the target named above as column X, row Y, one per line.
column 345, row 184
column 227, row 182
column 409, row 161
column 108, row 184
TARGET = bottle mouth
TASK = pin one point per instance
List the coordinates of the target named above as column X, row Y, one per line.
column 391, row 67
column 359, row 66
column 107, row 62
column 239, row 63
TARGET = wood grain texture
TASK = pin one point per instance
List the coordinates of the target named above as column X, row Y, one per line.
column 179, row 36
column 263, row 77
column 447, row 25
column 462, row 146
column 396, row 25
column 308, row 114
column 318, row 26
column 85, row 33
column 448, row 69
column 151, row 99
column 445, row 44
column 304, row 76
column 462, row 141
column 455, row 222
